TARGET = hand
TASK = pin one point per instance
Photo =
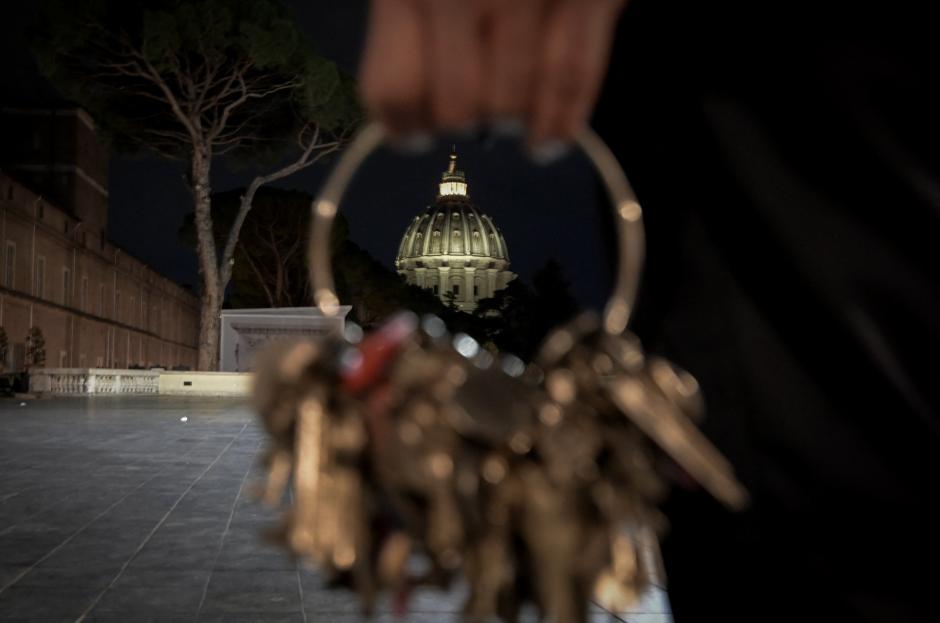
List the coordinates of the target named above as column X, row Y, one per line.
column 451, row 64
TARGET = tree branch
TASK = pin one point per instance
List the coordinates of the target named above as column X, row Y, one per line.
column 157, row 79
column 313, row 152
column 259, row 275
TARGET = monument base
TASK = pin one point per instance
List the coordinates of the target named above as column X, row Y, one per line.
column 247, row 331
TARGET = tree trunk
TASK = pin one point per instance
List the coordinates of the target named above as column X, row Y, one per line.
column 228, row 252
column 209, row 328
column 209, row 325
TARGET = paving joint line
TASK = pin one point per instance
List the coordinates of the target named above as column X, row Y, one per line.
column 84, row 526
column 157, row 527
column 68, row 497
column 228, row 526
column 32, row 516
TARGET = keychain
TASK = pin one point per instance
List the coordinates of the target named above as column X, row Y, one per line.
column 533, row 483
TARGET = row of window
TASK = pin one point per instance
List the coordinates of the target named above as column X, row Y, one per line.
column 67, row 225
column 437, row 232
column 9, row 281
column 455, row 215
column 457, row 243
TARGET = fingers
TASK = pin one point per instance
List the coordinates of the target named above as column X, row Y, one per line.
column 394, row 76
column 512, row 43
column 449, row 64
column 455, row 61
column 576, row 44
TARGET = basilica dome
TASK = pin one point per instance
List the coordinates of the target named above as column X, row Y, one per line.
column 453, row 248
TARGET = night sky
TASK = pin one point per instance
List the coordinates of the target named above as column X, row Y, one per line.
column 543, row 212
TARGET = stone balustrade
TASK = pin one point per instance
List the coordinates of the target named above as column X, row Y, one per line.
column 93, row 381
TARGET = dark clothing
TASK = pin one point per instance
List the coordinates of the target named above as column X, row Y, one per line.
column 787, row 156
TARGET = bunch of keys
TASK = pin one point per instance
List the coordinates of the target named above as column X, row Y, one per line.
column 533, row 483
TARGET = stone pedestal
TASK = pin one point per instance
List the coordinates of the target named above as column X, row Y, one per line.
column 246, row 331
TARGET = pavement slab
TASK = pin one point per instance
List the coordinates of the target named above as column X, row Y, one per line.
column 113, row 509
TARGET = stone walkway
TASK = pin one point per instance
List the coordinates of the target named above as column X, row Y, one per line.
column 113, row 509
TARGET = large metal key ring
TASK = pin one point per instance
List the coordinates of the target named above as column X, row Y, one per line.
column 627, row 215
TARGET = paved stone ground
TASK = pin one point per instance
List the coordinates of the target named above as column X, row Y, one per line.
column 112, row 509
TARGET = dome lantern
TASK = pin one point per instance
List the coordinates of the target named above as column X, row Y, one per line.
column 453, row 182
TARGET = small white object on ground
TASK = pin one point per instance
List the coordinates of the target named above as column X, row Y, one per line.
column 22, row 404
column 183, row 419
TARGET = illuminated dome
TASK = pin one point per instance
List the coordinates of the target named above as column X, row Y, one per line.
column 453, row 248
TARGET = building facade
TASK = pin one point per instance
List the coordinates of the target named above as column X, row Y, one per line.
column 453, row 248
column 95, row 305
